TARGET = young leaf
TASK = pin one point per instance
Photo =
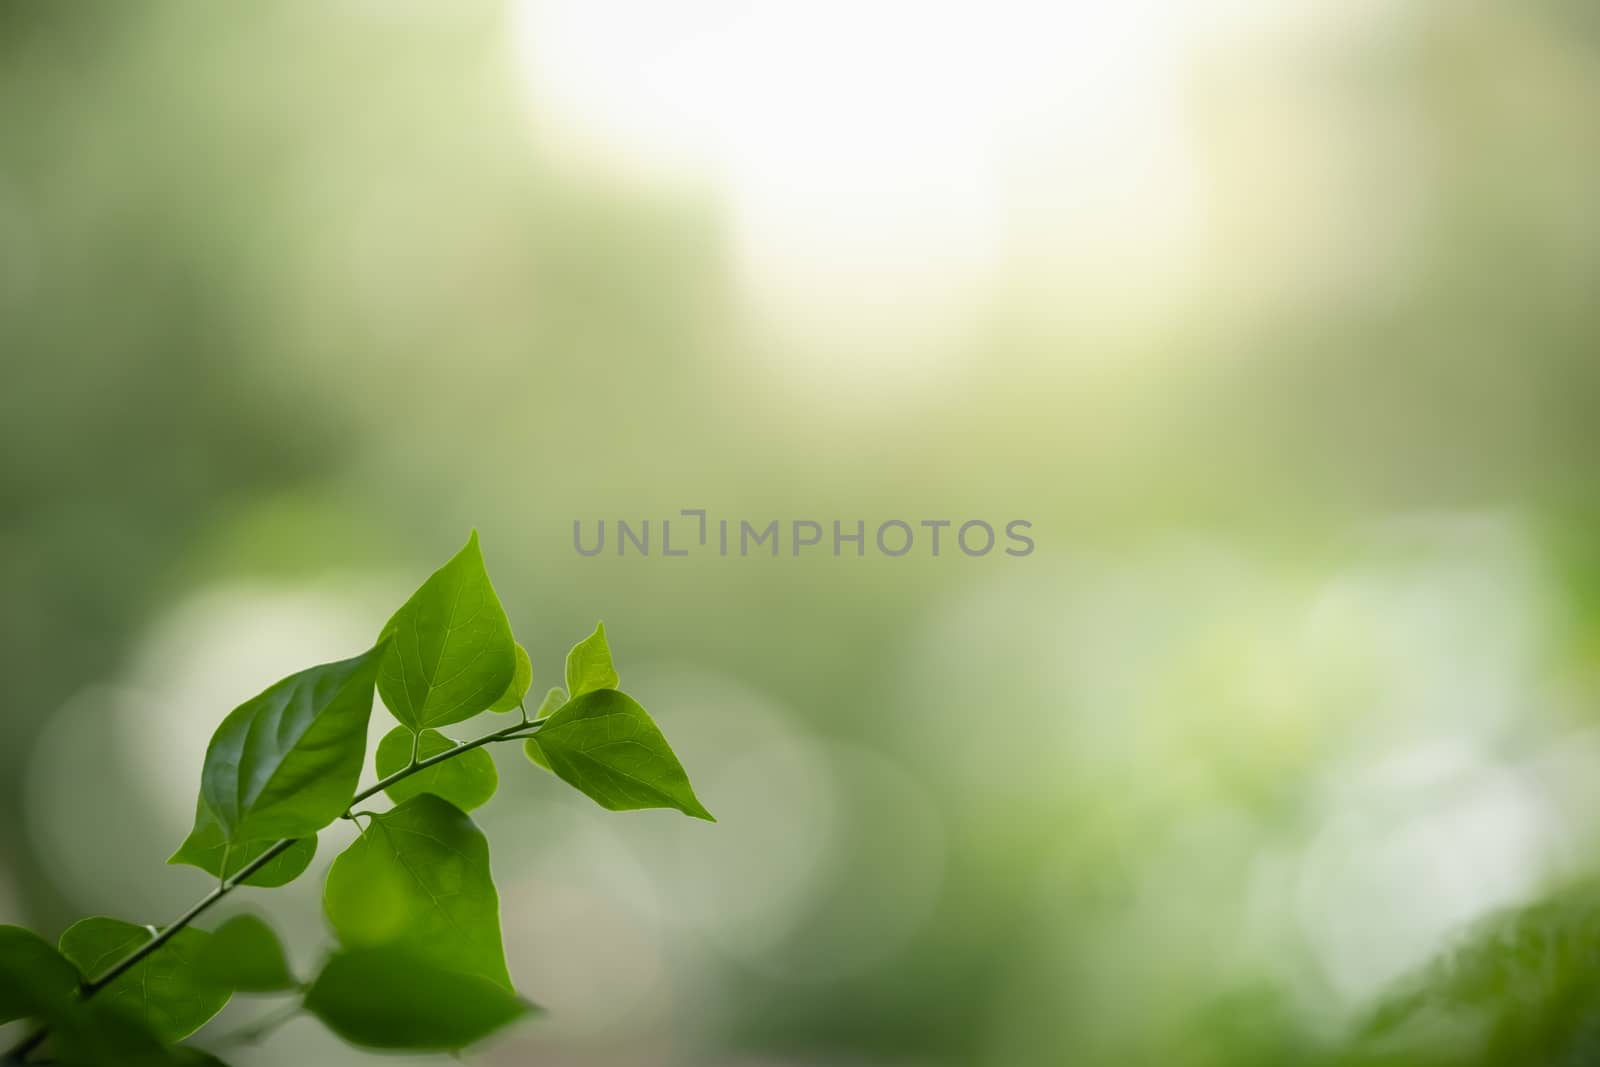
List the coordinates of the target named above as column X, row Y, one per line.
column 418, row 879
column 549, row 706
column 285, row 764
column 467, row 780
column 589, row 664
column 206, row 848
column 163, row 991
column 605, row 744
column 243, row 954
column 36, row 981
column 511, row 699
column 451, row 654
column 388, row 998
column 551, row 703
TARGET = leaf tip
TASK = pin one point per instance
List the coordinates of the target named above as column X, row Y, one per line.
column 692, row 807
column 471, row 550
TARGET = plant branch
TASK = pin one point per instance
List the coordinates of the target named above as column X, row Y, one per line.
column 514, row 732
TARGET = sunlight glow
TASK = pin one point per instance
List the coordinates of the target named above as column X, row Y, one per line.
column 885, row 163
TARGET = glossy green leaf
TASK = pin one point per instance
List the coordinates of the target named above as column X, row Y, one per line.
column 418, row 879
column 243, row 954
column 467, row 780
column 548, row 707
column 36, row 981
column 164, row 991
column 451, row 654
column 286, row 763
column 206, row 848
column 388, row 998
column 521, row 679
column 589, row 664
column 606, row 745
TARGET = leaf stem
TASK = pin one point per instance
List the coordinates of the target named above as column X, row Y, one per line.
column 515, row 732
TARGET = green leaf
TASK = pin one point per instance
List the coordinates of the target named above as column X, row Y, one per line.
column 589, row 664
column 388, row 998
column 547, row 707
column 418, row 878
column 206, row 848
column 98, row 1034
column 606, row 745
column 184, row 1056
column 467, row 780
column 1521, row 982
column 164, row 991
column 243, row 954
column 551, row 703
column 511, row 699
column 36, row 981
column 451, row 654
column 286, row 763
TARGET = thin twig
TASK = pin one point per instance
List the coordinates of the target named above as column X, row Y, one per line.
column 515, row 732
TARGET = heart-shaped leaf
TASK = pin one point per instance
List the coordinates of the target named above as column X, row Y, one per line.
column 589, row 665
column 389, row 998
column 467, row 780
column 286, row 763
column 604, row 744
column 243, row 954
column 164, row 991
column 206, row 848
column 418, row 879
column 450, row 653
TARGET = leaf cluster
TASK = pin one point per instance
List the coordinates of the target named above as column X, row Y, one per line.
column 417, row 961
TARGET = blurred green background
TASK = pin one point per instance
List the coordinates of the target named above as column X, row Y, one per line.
column 1280, row 323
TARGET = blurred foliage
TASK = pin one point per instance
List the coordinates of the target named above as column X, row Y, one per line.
column 1522, row 987
column 1314, row 521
